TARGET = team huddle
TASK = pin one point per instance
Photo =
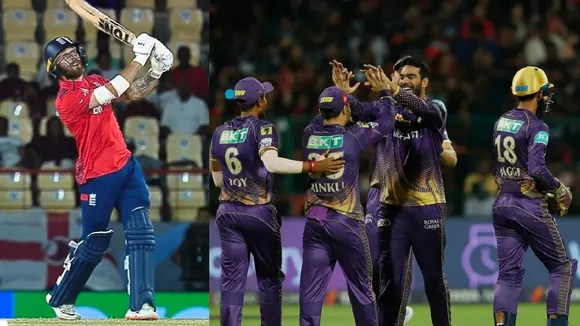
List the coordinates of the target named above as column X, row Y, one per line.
column 405, row 211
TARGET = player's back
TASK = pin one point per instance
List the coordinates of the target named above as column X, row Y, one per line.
column 339, row 191
column 411, row 163
column 100, row 142
column 514, row 134
column 236, row 145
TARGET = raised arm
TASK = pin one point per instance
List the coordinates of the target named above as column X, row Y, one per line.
column 432, row 112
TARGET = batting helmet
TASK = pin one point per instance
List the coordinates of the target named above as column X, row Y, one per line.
column 530, row 80
column 54, row 48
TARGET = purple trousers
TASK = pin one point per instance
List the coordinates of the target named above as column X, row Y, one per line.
column 246, row 230
column 404, row 232
column 371, row 225
column 521, row 222
column 330, row 237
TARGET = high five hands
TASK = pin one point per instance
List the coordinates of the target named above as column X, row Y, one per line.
column 376, row 78
column 342, row 77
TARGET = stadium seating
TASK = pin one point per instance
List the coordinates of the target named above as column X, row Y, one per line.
column 21, row 128
column 185, row 24
column 14, row 109
column 19, row 25
column 148, row 4
column 146, row 145
column 194, row 49
column 91, row 30
column 138, row 20
column 55, row 181
column 25, row 54
column 184, row 181
column 141, row 126
column 114, row 48
column 156, row 203
column 172, row 4
column 16, row 4
column 55, row 4
column 184, row 147
column 51, row 107
column 186, row 203
column 60, row 22
column 14, row 181
column 57, row 201
column 42, row 128
column 15, row 199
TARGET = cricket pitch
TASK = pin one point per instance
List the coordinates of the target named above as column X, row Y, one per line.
column 57, row 322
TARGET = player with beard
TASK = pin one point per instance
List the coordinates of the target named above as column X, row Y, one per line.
column 108, row 175
column 527, row 202
column 244, row 157
column 412, row 196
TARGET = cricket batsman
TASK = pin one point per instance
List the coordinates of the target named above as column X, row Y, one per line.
column 527, row 202
column 335, row 227
column 244, row 157
column 108, row 175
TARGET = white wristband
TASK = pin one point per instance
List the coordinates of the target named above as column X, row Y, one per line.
column 120, row 84
column 141, row 59
column 103, row 95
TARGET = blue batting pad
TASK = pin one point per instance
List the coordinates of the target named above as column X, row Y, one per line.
column 140, row 259
column 78, row 266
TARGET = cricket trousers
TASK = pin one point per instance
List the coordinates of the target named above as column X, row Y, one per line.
column 124, row 190
column 521, row 222
column 246, row 230
column 371, row 225
column 330, row 237
column 404, row 232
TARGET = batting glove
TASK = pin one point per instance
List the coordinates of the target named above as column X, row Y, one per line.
column 161, row 60
column 142, row 47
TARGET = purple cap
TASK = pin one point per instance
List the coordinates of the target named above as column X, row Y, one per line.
column 332, row 98
column 249, row 90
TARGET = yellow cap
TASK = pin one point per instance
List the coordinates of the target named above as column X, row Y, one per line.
column 529, row 80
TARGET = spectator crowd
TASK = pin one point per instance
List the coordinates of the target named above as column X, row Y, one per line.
column 473, row 47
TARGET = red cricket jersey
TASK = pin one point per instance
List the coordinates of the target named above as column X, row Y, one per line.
column 100, row 143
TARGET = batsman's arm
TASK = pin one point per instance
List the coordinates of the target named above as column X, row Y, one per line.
column 140, row 88
column 116, row 87
column 537, row 146
column 432, row 112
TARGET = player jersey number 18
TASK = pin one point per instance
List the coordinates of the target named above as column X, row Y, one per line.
column 506, row 149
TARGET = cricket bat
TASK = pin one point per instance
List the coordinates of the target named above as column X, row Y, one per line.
column 101, row 21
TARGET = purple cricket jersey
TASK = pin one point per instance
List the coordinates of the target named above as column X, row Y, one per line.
column 520, row 140
column 237, row 146
column 340, row 191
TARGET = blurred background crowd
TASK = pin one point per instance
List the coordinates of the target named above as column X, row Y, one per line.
column 473, row 47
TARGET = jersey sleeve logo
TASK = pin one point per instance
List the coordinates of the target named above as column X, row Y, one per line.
column 509, row 125
column 234, row 136
column 325, row 142
column 267, row 130
column 266, row 142
column 541, row 137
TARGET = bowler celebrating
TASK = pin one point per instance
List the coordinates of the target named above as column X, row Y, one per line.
column 244, row 156
column 528, row 199
column 108, row 176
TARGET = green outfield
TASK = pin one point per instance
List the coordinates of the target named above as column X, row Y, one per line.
column 462, row 315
